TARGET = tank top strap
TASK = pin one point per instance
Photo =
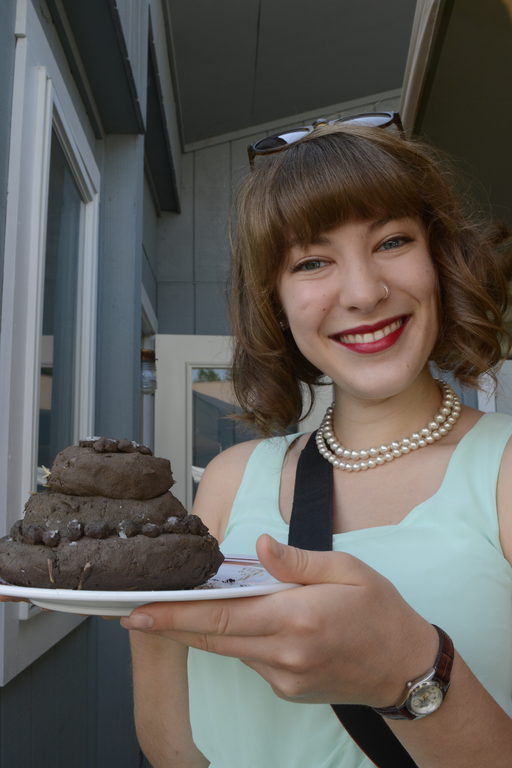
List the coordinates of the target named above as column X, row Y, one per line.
column 263, row 468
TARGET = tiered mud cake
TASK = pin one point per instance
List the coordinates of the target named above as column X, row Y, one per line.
column 108, row 522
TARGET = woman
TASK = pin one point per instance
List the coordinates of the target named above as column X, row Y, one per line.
column 353, row 261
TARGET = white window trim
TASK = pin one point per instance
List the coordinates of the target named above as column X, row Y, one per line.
column 42, row 102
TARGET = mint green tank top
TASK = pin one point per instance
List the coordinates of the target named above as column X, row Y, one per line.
column 444, row 557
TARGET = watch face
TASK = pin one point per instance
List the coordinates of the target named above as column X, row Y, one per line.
column 425, row 698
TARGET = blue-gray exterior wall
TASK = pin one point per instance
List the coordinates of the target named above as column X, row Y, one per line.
column 193, row 246
column 119, row 289
column 149, row 239
column 73, row 706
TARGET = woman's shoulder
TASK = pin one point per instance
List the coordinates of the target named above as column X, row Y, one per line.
column 219, row 485
column 223, row 475
column 234, row 459
column 482, row 428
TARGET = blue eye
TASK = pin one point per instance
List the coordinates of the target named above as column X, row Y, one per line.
column 308, row 266
column 394, row 242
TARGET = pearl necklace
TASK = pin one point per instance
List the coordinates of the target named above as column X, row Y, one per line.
column 355, row 461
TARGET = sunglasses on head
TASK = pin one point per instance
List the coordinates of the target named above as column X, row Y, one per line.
column 280, row 141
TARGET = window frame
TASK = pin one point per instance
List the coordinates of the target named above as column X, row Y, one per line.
column 44, row 100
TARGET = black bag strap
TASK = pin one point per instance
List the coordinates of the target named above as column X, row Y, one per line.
column 311, row 528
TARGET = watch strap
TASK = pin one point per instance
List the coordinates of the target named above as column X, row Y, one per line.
column 441, row 672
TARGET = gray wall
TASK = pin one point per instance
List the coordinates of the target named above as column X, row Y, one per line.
column 193, row 254
column 149, row 240
column 73, row 707
column 119, row 282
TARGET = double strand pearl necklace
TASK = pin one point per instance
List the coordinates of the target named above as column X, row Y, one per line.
column 355, row 461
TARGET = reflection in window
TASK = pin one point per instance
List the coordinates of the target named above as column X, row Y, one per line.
column 213, row 430
column 58, row 342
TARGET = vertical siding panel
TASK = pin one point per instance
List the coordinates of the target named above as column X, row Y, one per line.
column 44, row 711
column 59, row 705
column 176, row 302
column 44, row 689
column 175, row 238
column 16, row 722
column 72, row 673
column 211, row 206
column 149, row 252
column 239, row 160
column 119, row 282
column 149, row 226
column 117, row 744
column 73, row 707
column 212, row 309
column 91, row 662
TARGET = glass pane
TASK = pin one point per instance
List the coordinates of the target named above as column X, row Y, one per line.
column 213, row 431
column 58, row 342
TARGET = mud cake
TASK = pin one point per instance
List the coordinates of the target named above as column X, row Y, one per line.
column 108, row 522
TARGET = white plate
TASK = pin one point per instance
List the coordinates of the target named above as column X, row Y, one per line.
column 232, row 580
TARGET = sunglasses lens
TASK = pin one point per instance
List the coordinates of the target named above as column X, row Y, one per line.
column 283, row 140
column 373, row 120
column 280, row 140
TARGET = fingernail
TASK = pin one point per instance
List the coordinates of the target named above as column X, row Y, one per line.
column 137, row 621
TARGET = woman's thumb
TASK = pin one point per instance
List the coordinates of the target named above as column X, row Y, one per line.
column 303, row 566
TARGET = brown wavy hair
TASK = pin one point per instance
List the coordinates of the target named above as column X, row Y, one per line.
column 332, row 176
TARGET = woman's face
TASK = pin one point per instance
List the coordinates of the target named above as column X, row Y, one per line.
column 334, row 295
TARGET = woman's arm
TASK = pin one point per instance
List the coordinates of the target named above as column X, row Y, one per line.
column 468, row 709
column 160, row 691
column 504, row 502
column 160, row 684
column 469, row 730
column 347, row 636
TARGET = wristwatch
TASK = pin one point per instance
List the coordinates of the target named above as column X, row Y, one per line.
column 425, row 694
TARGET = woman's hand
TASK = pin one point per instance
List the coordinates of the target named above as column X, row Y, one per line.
column 346, row 636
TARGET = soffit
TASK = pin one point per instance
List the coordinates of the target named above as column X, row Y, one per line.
column 243, row 63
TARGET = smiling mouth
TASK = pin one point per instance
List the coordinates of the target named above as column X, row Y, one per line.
column 368, row 338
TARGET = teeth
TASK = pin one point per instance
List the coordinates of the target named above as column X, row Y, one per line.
column 367, row 338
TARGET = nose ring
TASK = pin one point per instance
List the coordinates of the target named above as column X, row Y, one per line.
column 386, row 292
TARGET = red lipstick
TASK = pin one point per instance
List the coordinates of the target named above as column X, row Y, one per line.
column 354, row 338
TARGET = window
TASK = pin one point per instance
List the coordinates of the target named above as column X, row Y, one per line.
column 213, row 400
column 47, row 340
column 192, row 400
column 59, row 323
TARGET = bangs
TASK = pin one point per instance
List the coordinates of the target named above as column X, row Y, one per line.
column 341, row 176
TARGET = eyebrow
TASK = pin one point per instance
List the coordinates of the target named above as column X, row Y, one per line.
column 380, row 223
column 324, row 240
column 320, row 240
